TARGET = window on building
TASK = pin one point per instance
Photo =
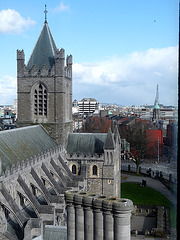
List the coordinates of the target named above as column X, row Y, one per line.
column 74, row 169
column 94, row 170
column 40, row 100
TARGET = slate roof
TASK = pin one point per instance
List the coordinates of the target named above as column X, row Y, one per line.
column 86, row 143
column 55, row 232
column 44, row 50
column 128, row 120
column 22, row 143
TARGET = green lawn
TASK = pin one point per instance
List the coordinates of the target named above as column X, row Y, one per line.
column 147, row 196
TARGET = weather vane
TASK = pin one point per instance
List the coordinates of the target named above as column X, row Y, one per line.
column 45, row 14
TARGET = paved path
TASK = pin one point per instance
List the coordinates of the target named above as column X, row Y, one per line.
column 153, row 183
column 138, row 237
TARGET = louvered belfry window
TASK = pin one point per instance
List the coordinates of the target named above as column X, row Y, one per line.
column 40, row 100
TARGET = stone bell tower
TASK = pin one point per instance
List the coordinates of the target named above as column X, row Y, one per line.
column 44, row 87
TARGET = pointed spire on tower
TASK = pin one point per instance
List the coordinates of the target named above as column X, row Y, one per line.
column 44, row 50
column 117, row 137
column 109, row 142
column 45, row 11
column 157, row 96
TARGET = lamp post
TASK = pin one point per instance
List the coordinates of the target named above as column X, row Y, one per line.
column 158, row 151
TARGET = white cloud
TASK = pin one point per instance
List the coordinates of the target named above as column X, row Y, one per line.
column 128, row 80
column 62, row 7
column 7, row 89
column 12, row 22
column 131, row 79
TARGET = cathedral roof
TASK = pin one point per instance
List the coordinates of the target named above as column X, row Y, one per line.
column 86, row 143
column 55, row 232
column 44, row 50
column 22, row 143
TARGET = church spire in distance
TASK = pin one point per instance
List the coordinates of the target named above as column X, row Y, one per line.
column 157, row 96
column 45, row 12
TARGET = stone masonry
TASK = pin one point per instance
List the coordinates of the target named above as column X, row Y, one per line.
column 45, row 90
column 97, row 217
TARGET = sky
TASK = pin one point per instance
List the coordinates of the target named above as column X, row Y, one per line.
column 121, row 48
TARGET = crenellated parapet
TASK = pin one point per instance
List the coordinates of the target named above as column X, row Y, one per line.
column 84, row 157
column 35, row 72
column 44, row 71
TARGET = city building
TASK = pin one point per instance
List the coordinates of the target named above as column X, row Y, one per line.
column 88, row 106
column 77, row 122
column 154, row 143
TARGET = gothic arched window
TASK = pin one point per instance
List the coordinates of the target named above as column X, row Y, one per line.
column 74, row 169
column 40, row 100
column 94, row 170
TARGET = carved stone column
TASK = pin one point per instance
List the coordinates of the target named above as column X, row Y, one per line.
column 108, row 219
column 70, row 215
column 122, row 209
column 98, row 218
column 88, row 216
column 79, row 216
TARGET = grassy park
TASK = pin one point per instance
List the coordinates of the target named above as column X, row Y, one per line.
column 147, row 196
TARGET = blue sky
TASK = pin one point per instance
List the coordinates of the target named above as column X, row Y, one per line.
column 121, row 48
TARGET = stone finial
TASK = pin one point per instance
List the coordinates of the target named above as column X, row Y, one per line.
column 117, row 136
column 69, row 60
column 45, row 12
column 60, row 53
column 20, row 55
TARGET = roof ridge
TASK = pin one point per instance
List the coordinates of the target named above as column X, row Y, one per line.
column 50, row 38
column 19, row 129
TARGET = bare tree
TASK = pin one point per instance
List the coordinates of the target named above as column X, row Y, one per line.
column 135, row 135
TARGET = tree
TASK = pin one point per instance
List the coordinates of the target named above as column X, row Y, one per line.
column 135, row 135
column 97, row 125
